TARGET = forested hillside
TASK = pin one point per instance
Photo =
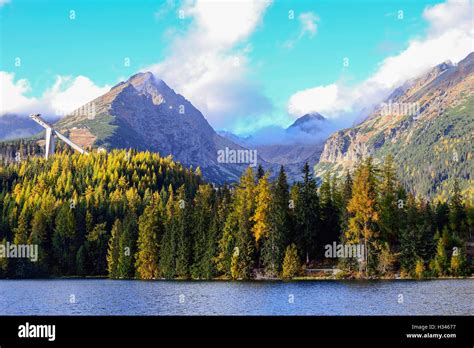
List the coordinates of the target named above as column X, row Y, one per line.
column 427, row 125
column 130, row 214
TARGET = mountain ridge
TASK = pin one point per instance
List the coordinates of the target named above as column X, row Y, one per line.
column 443, row 99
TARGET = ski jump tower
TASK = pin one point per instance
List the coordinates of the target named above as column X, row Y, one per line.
column 51, row 135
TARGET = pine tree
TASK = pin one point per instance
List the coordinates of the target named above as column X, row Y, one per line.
column 441, row 259
column 81, row 256
column 426, row 248
column 39, row 236
column 457, row 214
column 63, row 241
column 261, row 216
column 127, row 246
column 279, row 220
column 442, row 216
column 168, row 243
column 419, row 268
column 240, row 225
column 183, row 242
column 226, row 245
column 459, row 265
column 22, row 231
column 349, row 264
column 291, row 265
column 22, row 267
column 307, row 216
column 96, row 246
column 409, row 237
column 149, row 229
column 225, row 225
column 202, row 234
column 362, row 206
column 329, row 215
column 114, row 249
column 388, row 203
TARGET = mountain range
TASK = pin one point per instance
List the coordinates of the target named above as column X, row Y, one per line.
column 295, row 145
column 144, row 113
column 427, row 124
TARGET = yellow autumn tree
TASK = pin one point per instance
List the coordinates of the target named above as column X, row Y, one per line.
column 262, row 209
column 362, row 208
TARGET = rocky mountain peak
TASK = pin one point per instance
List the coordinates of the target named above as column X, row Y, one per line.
column 309, row 123
column 146, row 83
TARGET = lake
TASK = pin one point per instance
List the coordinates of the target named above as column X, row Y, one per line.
column 321, row 297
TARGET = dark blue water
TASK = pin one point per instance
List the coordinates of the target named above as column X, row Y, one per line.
column 124, row 297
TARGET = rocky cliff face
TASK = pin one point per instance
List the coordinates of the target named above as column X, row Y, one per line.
column 436, row 108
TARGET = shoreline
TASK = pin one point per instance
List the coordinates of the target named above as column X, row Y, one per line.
column 269, row 280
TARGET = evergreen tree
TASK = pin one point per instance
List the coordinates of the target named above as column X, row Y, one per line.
column 291, row 265
column 363, row 207
column 307, row 216
column 168, row 243
column 81, row 262
column 149, row 229
column 329, row 215
column 127, row 246
column 22, row 267
column 388, row 203
column 279, row 220
column 114, row 249
column 63, row 241
column 441, row 259
column 261, row 216
column 409, row 238
column 96, row 246
column 241, row 233
column 419, row 268
column 39, row 236
column 442, row 216
column 457, row 214
column 459, row 265
column 349, row 264
column 202, row 219
column 183, row 238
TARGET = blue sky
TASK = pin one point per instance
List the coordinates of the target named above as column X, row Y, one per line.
column 277, row 56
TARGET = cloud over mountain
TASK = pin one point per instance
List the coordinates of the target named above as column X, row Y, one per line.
column 66, row 94
column 450, row 36
column 211, row 65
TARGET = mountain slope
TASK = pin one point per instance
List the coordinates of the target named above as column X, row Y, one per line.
column 144, row 113
column 427, row 125
column 301, row 142
column 15, row 126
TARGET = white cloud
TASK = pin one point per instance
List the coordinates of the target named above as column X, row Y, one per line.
column 165, row 8
column 12, row 94
column 308, row 23
column 67, row 94
column 451, row 14
column 208, row 65
column 4, row 2
column 303, row 101
column 450, row 37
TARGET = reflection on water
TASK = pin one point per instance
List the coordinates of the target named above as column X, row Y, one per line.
column 131, row 297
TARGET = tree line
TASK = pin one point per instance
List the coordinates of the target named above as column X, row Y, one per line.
column 128, row 214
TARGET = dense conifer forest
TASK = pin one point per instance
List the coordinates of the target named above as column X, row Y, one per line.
column 128, row 214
